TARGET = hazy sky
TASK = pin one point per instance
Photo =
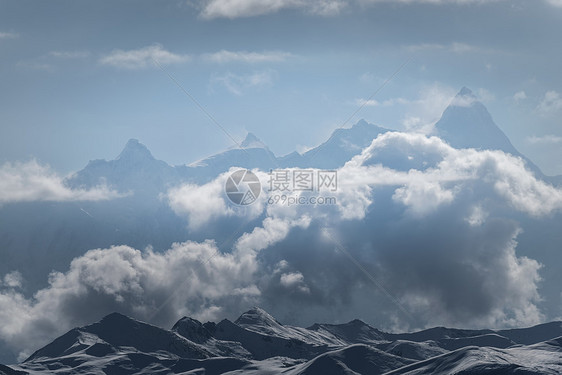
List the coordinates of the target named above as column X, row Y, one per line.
column 79, row 79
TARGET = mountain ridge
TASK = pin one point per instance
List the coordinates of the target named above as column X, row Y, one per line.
column 120, row 344
column 465, row 123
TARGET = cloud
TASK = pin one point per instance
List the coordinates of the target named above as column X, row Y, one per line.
column 13, row 279
column 239, row 84
column 201, row 204
column 519, row 96
column 142, row 57
column 211, row 9
column 35, row 65
column 252, row 8
column 426, row 219
column 384, row 103
column 294, row 281
column 272, row 231
column 225, row 56
column 444, row 256
column 455, row 47
column 551, row 103
column 7, row 35
column 69, row 54
column 545, row 139
column 430, row 171
column 424, row 111
column 31, row 181
column 431, row 2
column 420, row 113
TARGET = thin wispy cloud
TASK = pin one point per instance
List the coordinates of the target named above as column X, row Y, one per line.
column 142, row 57
column 225, row 56
column 545, row 139
column 211, row 9
column 556, row 3
column 238, row 84
column 35, row 65
column 8, row 35
column 385, row 103
column 252, row 8
column 455, row 47
column 519, row 96
column 550, row 103
column 70, row 54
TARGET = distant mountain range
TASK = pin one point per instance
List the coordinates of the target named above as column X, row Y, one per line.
column 256, row 343
column 466, row 123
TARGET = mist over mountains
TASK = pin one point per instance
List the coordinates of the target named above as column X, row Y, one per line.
column 456, row 229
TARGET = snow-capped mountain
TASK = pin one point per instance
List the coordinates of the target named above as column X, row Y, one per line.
column 256, row 343
column 134, row 170
column 466, row 123
column 251, row 153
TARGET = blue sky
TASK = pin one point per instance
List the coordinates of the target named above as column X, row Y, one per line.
column 78, row 78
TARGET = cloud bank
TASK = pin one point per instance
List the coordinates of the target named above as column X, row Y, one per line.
column 31, row 181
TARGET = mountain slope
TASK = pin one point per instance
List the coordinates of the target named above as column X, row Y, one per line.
column 342, row 145
column 540, row 359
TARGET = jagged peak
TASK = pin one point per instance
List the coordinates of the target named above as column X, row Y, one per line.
column 134, row 150
column 464, row 98
column 361, row 123
column 465, row 91
column 192, row 329
column 252, row 141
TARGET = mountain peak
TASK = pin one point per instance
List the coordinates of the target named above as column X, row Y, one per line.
column 251, row 141
column 256, row 317
column 465, row 91
column 466, row 123
column 192, row 329
column 361, row 124
column 134, row 150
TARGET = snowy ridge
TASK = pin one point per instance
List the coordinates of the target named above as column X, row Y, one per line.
column 256, row 343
